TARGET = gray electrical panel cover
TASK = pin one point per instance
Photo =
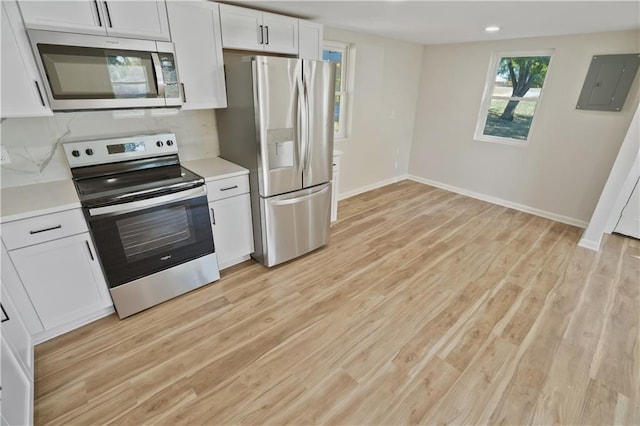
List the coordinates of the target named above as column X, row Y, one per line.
column 608, row 82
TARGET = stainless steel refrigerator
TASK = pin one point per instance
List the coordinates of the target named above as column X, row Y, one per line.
column 279, row 125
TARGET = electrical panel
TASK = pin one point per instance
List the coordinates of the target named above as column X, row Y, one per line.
column 608, row 82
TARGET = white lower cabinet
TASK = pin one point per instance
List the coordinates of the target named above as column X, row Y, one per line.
column 232, row 232
column 230, row 208
column 53, row 274
column 63, row 279
column 335, row 185
column 16, row 376
column 17, row 390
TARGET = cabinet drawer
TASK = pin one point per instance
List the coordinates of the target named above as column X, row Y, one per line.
column 223, row 188
column 39, row 229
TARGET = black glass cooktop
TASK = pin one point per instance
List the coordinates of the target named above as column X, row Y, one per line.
column 138, row 184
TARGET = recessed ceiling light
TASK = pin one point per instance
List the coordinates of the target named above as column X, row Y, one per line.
column 492, row 29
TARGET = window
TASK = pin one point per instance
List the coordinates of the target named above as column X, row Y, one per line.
column 512, row 92
column 339, row 53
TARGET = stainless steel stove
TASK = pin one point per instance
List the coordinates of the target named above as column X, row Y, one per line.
column 148, row 217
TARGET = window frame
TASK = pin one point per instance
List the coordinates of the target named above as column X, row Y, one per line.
column 487, row 95
column 345, row 48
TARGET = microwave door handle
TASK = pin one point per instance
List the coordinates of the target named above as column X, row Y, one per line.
column 159, row 76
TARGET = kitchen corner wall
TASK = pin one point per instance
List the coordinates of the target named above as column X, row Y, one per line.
column 383, row 96
column 34, row 144
column 562, row 171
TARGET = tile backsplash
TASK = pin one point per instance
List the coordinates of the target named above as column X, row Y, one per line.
column 34, row 144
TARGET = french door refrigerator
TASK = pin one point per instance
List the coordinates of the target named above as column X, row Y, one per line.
column 279, row 125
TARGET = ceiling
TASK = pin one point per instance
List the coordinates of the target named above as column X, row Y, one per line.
column 437, row 22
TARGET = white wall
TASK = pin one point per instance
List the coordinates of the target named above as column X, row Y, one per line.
column 562, row 171
column 34, row 146
column 387, row 73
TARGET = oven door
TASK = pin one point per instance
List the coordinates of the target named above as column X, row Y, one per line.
column 140, row 238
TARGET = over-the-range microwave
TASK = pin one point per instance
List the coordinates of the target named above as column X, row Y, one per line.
column 97, row 72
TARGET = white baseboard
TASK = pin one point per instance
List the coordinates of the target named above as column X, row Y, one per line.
column 590, row 244
column 232, row 262
column 376, row 185
column 499, row 201
column 65, row 328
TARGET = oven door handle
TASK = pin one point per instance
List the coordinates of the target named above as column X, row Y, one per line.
column 150, row 202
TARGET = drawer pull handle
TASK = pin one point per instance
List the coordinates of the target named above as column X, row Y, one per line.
column 89, row 248
column 45, row 230
column 5, row 317
column 213, row 216
column 228, row 188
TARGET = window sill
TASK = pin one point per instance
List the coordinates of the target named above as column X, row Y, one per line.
column 502, row 141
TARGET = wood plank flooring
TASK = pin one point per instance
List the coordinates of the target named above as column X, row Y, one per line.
column 426, row 307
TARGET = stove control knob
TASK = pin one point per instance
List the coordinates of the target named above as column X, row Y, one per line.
column 159, row 144
column 169, row 142
column 75, row 153
column 89, row 151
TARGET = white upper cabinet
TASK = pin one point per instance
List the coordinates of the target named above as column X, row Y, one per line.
column 249, row 29
column 195, row 31
column 22, row 89
column 280, row 33
column 80, row 16
column 139, row 19
column 310, row 37
column 131, row 19
column 241, row 28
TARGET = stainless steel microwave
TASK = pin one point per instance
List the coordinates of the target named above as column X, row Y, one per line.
column 96, row 72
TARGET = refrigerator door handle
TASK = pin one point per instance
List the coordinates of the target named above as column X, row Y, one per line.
column 307, row 148
column 304, row 124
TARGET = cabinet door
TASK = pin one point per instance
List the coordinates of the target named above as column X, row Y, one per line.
column 17, row 390
column 280, row 33
column 335, row 184
column 22, row 89
column 80, row 16
column 136, row 19
column 241, row 28
column 63, row 279
column 232, row 229
column 12, row 286
column 195, row 31
column 310, row 37
column 15, row 333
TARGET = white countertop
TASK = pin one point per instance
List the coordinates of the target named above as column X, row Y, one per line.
column 21, row 202
column 214, row 168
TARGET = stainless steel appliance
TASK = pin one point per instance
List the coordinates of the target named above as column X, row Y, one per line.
column 279, row 125
column 94, row 72
column 148, row 217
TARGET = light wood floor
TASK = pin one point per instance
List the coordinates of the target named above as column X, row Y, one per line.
column 426, row 307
